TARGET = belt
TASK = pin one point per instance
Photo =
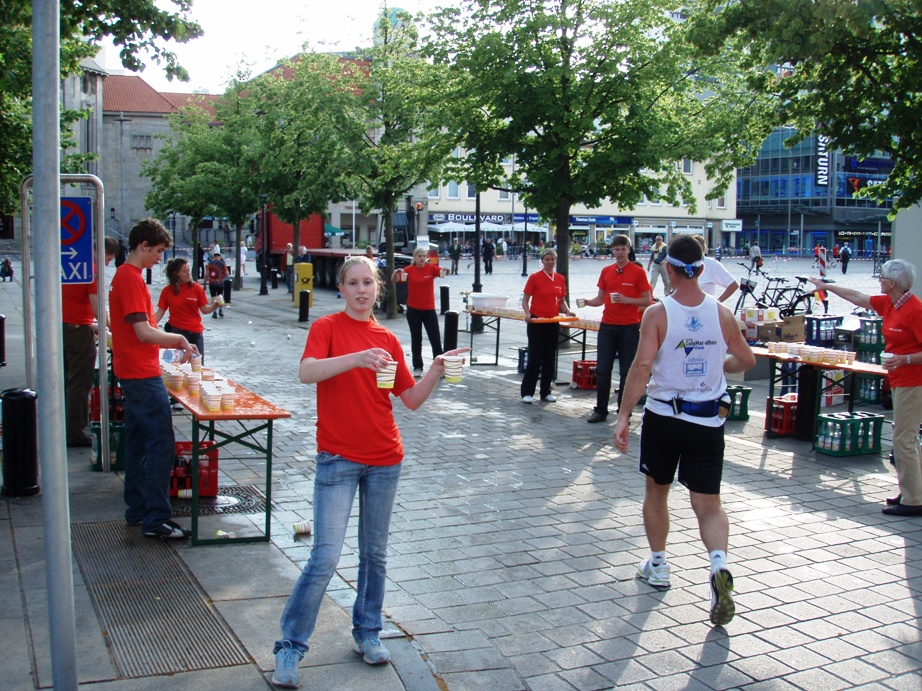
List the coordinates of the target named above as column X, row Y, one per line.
column 693, row 408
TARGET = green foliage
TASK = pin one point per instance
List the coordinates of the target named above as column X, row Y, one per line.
column 594, row 99
column 849, row 70
column 134, row 25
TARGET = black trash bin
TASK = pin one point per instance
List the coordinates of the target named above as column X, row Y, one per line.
column 20, row 443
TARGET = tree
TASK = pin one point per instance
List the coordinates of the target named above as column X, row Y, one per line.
column 851, row 71
column 134, row 25
column 594, row 98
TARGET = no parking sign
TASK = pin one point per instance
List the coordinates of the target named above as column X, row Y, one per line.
column 76, row 240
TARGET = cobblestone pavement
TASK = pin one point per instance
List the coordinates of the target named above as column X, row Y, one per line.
column 517, row 529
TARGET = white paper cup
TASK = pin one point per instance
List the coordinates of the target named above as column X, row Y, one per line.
column 613, row 296
column 886, row 357
column 302, row 528
column 453, row 365
column 387, row 375
column 580, row 302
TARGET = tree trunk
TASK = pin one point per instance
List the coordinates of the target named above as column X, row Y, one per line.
column 238, row 275
column 389, row 254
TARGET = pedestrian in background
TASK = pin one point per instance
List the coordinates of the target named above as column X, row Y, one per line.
column 656, row 266
column 545, row 296
column 216, row 272
column 344, row 354
column 80, row 316
column 844, row 255
column 455, row 253
column 6, row 269
column 185, row 300
column 420, row 277
column 901, row 312
column 715, row 280
column 680, row 364
column 624, row 291
column 488, row 250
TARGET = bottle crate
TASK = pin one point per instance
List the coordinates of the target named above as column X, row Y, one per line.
column 584, row 374
column 116, row 399
column 781, row 414
column 848, row 434
column 869, row 335
column 821, row 331
column 870, row 388
column 739, row 402
column 116, row 446
column 181, row 475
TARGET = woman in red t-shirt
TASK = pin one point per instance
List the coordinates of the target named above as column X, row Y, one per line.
column 185, row 300
column 545, row 296
column 901, row 312
column 420, row 277
column 358, row 449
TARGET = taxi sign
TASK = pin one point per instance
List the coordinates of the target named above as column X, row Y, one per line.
column 76, row 240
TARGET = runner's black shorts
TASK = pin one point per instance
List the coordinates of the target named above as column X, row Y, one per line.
column 668, row 444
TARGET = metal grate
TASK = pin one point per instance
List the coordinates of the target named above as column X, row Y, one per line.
column 154, row 616
column 231, row 499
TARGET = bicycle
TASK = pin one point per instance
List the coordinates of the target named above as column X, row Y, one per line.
column 747, row 287
column 789, row 300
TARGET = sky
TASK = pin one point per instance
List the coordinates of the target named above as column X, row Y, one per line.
column 261, row 33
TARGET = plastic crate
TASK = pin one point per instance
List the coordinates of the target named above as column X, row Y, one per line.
column 844, row 434
column 181, row 476
column 870, row 388
column 584, row 374
column 523, row 359
column 869, row 333
column 116, row 446
column 739, row 402
column 116, row 399
column 869, row 356
column 822, row 330
column 781, row 414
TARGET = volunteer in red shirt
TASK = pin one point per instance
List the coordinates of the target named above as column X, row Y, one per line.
column 185, row 300
column 901, row 312
column 150, row 444
column 625, row 292
column 358, row 449
column 420, row 277
column 545, row 296
column 79, row 312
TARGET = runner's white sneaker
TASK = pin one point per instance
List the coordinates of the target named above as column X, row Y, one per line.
column 657, row 576
column 722, row 606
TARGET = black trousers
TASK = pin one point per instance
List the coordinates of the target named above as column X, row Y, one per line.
column 416, row 319
column 614, row 341
column 542, row 351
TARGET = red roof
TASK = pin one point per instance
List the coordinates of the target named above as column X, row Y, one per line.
column 131, row 94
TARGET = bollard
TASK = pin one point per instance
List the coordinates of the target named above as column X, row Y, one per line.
column 2, row 340
column 451, row 330
column 444, row 298
column 304, row 305
column 228, row 286
column 20, row 443
column 149, row 275
column 275, row 279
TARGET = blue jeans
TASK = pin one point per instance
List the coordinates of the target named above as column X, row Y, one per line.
column 334, row 491
column 614, row 341
column 150, row 447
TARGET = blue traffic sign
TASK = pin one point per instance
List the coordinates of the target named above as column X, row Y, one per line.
column 76, row 240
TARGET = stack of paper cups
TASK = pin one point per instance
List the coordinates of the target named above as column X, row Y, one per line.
column 453, row 364
column 387, row 375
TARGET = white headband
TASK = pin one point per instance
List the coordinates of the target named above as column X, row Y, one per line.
column 689, row 268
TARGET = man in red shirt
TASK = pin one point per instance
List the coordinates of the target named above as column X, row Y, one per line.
column 79, row 313
column 624, row 291
column 150, row 444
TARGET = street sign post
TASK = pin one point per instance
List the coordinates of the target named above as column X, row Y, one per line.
column 76, row 240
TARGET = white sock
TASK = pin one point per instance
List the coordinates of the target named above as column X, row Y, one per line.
column 718, row 560
column 657, row 558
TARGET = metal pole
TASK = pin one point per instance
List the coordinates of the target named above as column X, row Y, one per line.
column 46, row 75
column 263, row 288
column 525, row 245
column 476, row 320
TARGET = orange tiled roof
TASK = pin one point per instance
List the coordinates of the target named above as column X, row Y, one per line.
column 131, row 94
column 204, row 101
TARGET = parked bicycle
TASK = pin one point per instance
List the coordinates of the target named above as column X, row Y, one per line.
column 789, row 300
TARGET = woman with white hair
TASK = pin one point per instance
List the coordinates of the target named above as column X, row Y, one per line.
column 902, row 331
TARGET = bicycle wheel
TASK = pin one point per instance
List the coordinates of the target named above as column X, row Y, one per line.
column 801, row 305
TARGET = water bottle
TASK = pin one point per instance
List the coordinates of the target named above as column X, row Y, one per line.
column 171, row 355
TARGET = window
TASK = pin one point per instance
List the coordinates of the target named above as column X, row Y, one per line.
column 471, row 191
column 142, row 142
column 504, row 195
column 687, row 165
column 453, row 191
column 721, row 202
column 434, row 192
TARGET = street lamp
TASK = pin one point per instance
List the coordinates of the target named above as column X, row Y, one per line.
column 525, row 245
column 263, row 288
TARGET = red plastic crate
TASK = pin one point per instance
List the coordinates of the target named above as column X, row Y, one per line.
column 781, row 414
column 584, row 374
column 116, row 404
column 181, row 477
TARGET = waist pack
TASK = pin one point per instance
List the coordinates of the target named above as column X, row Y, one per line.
column 719, row 407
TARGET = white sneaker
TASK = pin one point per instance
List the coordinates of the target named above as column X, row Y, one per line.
column 550, row 398
column 417, row 373
column 722, row 607
column 527, row 399
column 657, row 576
